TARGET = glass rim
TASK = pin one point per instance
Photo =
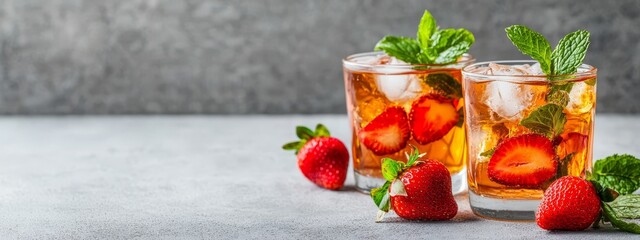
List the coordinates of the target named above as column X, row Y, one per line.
column 587, row 71
column 348, row 62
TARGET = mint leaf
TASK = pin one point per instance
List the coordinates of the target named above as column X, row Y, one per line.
column 559, row 97
column 626, row 206
column 380, row 196
column 531, row 43
column 449, row 44
column 612, row 216
column 605, row 194
column 390, row 169
column 618, row 172
column 322, row 131
column 403, row 48
column 445, row 84
column 548, row 120
column 426, row 28
column 569, row 53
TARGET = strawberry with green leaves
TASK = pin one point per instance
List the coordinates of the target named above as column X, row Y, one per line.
column 417, row 190
column 572, row 203
column 323, row 159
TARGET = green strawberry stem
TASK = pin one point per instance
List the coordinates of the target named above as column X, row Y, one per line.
column 305, row 134
column 391, row 170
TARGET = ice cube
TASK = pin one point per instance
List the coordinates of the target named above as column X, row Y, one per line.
column 397, row 87
column 535, row 69
column 507, row 99
column 502, row 70
column 581, row 98
column 518, row 70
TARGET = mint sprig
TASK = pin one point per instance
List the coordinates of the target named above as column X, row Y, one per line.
column 618, row 172
column 444, row 84
column 431, row 46
column 618, row 175
column 564, row 59
column 548, row 119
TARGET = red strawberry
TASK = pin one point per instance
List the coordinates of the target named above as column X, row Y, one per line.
column 428, row 189
column 432, row 116
column 418, row 190
column 322, row 159
column 526, row 160
column 570, row 203
column 387, row 133
column 572, row 142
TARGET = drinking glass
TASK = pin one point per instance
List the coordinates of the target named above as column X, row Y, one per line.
column 513, row 101
column 375, row 82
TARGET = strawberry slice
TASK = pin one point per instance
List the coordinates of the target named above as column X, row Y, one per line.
column 572, row 142
column 526, row 160
column 387, row 133
column 432, row 116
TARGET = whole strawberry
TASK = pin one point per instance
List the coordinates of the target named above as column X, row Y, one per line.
column 570, row 203
column 573, row 203
column 322, row 159
column 417, row 190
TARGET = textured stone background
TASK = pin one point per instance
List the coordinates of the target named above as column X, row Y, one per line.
column 263, row 56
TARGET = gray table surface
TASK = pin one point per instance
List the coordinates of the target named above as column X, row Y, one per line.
column 212, row 177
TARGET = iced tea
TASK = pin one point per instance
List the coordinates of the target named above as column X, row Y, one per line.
column 394, row 107
column 524, row 131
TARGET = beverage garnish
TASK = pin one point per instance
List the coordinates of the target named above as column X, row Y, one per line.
column 431, row 46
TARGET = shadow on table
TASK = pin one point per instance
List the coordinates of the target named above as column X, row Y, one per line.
column 349, row 188
column 460, row 218
column 608, row 229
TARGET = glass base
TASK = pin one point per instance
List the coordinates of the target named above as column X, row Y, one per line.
column 503, row 209
column 364, row 183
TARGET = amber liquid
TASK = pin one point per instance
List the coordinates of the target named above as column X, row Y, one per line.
column 487, row 127
column 366, row 100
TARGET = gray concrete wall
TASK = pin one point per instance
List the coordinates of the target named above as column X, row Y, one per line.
column 263, row 56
